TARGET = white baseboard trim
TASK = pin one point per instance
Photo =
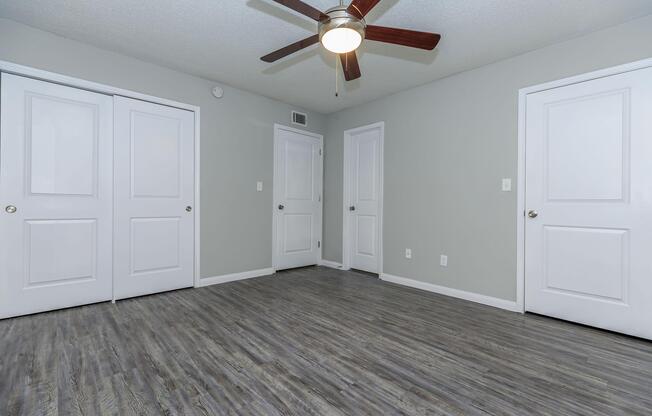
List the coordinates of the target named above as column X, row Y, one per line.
column 331, row 264
column 455, row 293
column 208, row 281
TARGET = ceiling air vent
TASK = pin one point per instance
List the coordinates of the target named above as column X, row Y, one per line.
column 300, row 119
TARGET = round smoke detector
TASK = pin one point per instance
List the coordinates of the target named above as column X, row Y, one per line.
column 218, row 92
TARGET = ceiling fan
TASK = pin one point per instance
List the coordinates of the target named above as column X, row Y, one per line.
column 342, row 29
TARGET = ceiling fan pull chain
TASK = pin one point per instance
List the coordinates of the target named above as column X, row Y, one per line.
column 337, row 58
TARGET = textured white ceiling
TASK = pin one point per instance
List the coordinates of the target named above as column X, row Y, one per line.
column 222, row 40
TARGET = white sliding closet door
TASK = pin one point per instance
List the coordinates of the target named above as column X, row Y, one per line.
column 154, row 198
column 56, row 146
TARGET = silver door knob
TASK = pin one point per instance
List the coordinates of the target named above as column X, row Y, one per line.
column 188, row 208
column 351, row 208
column 11, row 209
column 281, row 207
column 532, row 214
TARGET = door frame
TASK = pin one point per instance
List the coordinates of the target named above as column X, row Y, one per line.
column 346, row 196
column 522, row 143
column 29, row 72
column 320, row 180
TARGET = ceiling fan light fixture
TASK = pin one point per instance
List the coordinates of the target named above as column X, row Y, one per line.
column 341, row 40
column 341, row 32
column 342, row 29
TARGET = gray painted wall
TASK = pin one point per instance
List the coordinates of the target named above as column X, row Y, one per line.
column 236, row 139
column 447, row 146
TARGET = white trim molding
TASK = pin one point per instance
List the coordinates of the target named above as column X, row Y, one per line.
column 346, row 195
column 522, row 143
column 455, row 293
column 197, row 201
column 331, row 264
column 232, row 277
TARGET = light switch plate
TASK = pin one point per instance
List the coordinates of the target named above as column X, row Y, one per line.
column 443, row 260
column 408, row 253
column 507, row 184
column 259, row 186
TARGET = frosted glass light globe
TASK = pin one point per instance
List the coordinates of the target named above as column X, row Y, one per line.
column 341, row 40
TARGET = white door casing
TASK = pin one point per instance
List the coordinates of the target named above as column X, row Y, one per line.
column 588, row 176
column 363, row 198
column 297, row 198
column 56, row 150
column 154, row 198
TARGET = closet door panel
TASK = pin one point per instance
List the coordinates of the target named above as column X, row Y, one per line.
column 56, row 191
column 154, row 189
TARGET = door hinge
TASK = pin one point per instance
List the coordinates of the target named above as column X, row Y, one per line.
column 318, row 244
column 319, row 152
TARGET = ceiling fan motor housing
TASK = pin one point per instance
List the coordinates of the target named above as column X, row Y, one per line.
column 339, row 17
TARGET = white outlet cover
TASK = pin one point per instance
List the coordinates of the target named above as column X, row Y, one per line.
column 443, row 260
column 259, row 186
column 507, row 184
column 408, row 253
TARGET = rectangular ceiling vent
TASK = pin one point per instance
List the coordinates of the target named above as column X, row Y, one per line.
column 300, row 119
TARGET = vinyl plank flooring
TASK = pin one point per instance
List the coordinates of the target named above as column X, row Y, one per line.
column 315, row 341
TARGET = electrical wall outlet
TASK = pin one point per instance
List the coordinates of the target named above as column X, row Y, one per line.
column 443, row 260
column 259, row 186
column 408, row 253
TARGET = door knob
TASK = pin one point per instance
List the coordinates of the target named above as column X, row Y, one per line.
column 281, row 207
column 351, row 208
column 188, row 208
column 532, row 214
column 11, row 209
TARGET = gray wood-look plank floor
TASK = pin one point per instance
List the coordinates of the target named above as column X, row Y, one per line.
column 315, row 341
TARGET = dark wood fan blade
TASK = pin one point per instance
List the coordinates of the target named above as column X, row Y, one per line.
column 290, row 49
column 411, row 38
column 350, row 66
column 360, row 8
column 304, row 9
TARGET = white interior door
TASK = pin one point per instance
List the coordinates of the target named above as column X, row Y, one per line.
column 56, row 155
column 589, row 179
column 365, row 197
column 297, row 198
column 154, row 191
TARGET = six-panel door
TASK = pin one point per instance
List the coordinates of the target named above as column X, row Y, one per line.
column 589, row 190
column 154, row 198
column 56, row 158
